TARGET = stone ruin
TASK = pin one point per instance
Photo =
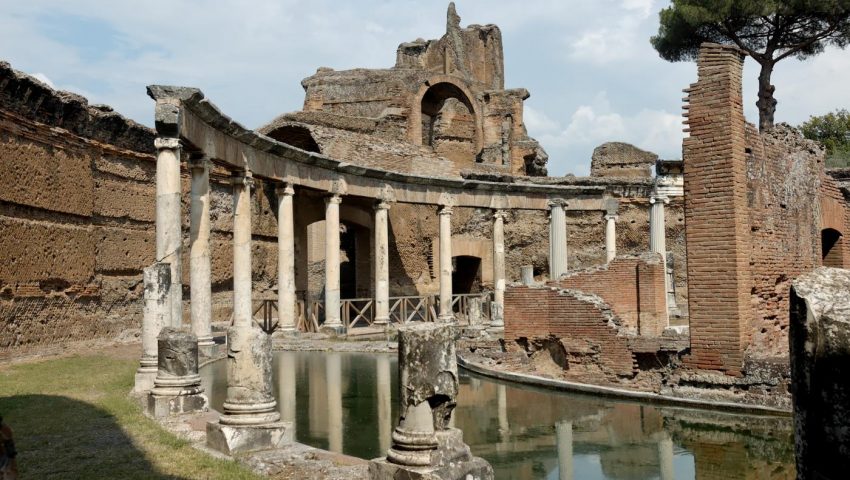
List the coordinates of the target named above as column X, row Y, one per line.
column 424, row 445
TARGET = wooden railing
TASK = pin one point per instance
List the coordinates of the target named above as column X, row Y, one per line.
column 412, row 309
column 360, row 312
column 357, row 312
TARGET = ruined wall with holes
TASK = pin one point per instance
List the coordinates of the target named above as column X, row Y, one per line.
column 755, row 206
column 578, row 329
column 77, row 199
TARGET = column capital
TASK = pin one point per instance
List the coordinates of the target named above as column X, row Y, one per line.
column 284, row 189
column 657, row 197
column 612, row 216
column 445, row 210
column 500, row 213
column 557, row 202
column 199, row 162
column 334, row 198
column 166, row 143
column 242, row 179
column 382, row 205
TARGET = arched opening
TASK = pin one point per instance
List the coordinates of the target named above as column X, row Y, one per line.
column 831, row 248
column 466, row 274
column 448, row 122
column 298, row 137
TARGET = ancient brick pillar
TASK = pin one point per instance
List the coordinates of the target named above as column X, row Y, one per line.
column 716, row 213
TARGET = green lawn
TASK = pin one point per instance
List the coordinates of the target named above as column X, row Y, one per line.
column 73, row 419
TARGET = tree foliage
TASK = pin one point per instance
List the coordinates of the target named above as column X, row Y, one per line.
column 833, row 132
column 767, row 30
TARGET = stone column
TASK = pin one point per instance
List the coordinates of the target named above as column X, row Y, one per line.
column 200, row 290
column 423, row 443
column 564, row 439
column 610, row 236
column 242, row 283
column 333, row 377
column 527, row 274
column 332, row 300
column 286, row 301
column 445, row 214
column 177, row 388
column 557, row 239
column 169, row 234
column 156, row 315
column 250, row 420
column 384, row 402
column 382, row 264
column 657, row 235
column 497, row 317
column 665, row 458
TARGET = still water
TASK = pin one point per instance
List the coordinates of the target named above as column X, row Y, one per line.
column 346, row 402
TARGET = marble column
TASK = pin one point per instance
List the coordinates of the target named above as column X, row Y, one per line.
column 169, row 235
column 286, row 301
column 333, row 375
column 156, row 315
column 242, row 285
column 557, row 239
column 384, row 395
column 665, row 458
column 332, row 300
column 445, row 214
column 564, row 439
column 497, row 319
column 657, row 234
column 382, row 264
column 610, row 236
column 200, row 290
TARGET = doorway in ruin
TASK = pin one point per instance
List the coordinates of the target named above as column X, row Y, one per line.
column 448, row 122
column 466, row 274
column 831, row 248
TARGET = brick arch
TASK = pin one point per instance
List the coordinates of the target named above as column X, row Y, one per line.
column 414, row 127
column 833, row 246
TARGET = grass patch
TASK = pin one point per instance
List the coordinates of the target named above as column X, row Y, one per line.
column 73, row 419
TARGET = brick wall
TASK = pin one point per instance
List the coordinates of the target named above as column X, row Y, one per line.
column 716, row 214
column 583, row 323
column 755, row 207
column 633, row 287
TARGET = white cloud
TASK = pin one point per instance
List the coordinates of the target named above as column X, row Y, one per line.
column 538, row 122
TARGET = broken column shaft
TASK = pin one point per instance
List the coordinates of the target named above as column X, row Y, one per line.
column 424, row 446
column 177, row 388
column 156, row 315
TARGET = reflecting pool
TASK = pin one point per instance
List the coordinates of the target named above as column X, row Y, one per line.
column 346, row 402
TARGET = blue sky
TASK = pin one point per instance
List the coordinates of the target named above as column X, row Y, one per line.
column 592, row 74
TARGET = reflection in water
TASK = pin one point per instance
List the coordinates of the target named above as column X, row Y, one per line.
column 348, row 402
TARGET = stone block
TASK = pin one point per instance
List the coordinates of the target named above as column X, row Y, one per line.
column 451, row 460
column 235, row 439
column 160, row 406
column 820, row 372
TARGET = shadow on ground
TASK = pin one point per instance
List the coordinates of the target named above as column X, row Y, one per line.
column 60, row 437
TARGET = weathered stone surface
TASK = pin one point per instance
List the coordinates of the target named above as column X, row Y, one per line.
column 235, row 439
column 156, row 314
column 177, row 387
column 820, row 372
column 617, row 159
column 423, row 444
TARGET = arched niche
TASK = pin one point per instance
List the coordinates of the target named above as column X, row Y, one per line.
column 430, row 99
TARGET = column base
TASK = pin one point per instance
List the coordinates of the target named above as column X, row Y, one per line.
column 446, row 318
column 288, row 331
column 334, row 330
column 452, row 460
column 160, row 406
column 234, row 439
column 145, row 377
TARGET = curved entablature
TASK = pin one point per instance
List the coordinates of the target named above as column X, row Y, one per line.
column 185, row 114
